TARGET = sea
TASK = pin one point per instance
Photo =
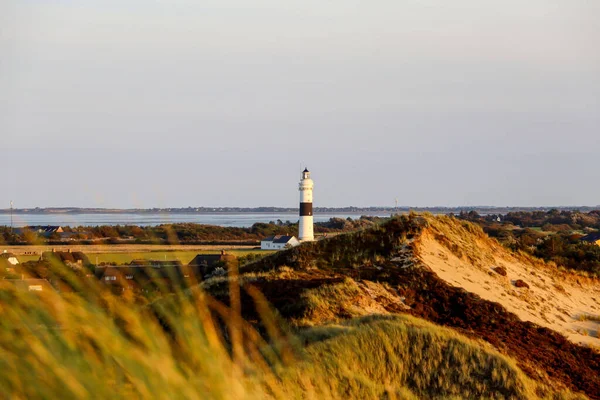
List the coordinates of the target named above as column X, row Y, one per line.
column 149, row 219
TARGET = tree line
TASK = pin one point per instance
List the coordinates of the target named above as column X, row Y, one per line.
column 187, row 233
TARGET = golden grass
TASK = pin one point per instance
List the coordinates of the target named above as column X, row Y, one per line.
column 92, row 344
column 588, row 317
column 54, row 346
column 63, row 346
column 332, row 303
column 102, row 346
column 405, row 357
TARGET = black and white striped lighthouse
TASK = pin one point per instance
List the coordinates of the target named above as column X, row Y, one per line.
column 305, row 230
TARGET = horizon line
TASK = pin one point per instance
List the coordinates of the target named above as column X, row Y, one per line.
column 390, row 208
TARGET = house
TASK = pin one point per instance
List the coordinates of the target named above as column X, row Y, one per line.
column 278, row 242
column 120, row 275
column 43, row 230
column 147, row 275
column 207, row 263
column 8, row 258
column 8, row 263
column 31, row 285
column 210, row 260
column 593, row 237
column 73, row 259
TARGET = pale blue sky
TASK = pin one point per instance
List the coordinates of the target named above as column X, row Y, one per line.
column 186, row 102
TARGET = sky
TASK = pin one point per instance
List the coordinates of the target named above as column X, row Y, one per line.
column 178, row 103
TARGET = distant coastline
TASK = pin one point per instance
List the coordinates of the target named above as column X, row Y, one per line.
column 256, row 210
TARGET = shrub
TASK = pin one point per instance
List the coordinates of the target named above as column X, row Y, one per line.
column 521, row 284
column 218, row 271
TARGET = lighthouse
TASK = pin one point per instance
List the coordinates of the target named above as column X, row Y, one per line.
column 305, row 230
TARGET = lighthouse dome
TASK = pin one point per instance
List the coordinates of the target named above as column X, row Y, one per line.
column 306, row 174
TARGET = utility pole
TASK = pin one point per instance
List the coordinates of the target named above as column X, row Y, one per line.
column 11, row 216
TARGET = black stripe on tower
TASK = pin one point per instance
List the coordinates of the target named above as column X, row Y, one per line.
column 305, row 209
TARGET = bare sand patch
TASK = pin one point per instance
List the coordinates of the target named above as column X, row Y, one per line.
column 553, row 299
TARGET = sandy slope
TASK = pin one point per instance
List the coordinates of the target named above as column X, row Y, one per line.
column 554, row 299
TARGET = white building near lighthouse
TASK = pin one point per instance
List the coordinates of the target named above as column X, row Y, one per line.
column 278, row 242
column 305, row 230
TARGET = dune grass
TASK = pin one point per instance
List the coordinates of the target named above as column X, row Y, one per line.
column 91, row 344
column 70, row 347
column 61, row 346
column 405, row 357
column 589, row 317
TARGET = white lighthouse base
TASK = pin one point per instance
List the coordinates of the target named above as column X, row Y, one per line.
column 305, row 230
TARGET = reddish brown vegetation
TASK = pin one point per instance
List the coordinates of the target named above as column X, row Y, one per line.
column 521, row 284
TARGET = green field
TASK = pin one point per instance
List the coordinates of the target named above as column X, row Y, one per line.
column 184, row 256
column 28, row 258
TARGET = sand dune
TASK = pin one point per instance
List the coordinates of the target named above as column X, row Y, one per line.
column 565, row 302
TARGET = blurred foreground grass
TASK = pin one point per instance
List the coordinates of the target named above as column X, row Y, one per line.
column 93, row 344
